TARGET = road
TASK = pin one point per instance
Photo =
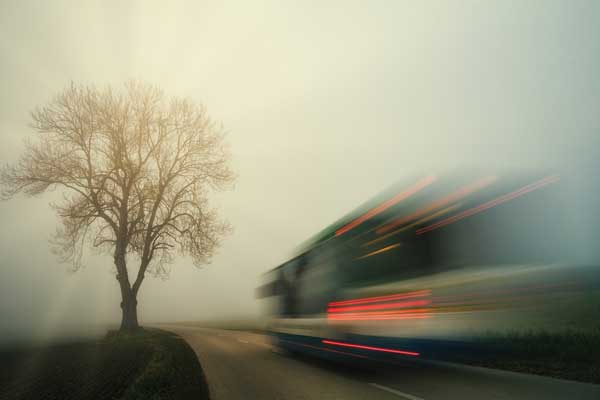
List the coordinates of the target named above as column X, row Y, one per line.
column 244, row 365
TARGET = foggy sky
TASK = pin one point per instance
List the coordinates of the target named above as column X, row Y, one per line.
column 326, row 103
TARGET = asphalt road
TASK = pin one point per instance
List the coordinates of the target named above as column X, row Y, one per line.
column 244, row 365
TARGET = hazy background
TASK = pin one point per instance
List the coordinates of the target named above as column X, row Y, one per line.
column 326, row 103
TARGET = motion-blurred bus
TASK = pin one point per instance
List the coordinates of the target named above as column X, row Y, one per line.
column 440, row 267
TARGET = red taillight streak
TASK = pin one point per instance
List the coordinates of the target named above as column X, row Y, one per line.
column 379, row 312
column 416, row 303
column 419, row 293
column 387, row 204
column 457, row 195
column 376, row 317
column 324, row 349
column 502, row 199
column 382, row 349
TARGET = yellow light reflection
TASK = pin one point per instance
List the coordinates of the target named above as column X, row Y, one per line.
column 392, row 246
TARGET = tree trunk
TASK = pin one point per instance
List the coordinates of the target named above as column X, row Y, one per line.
column 129, row 320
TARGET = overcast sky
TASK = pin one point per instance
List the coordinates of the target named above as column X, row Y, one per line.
column 326, row 103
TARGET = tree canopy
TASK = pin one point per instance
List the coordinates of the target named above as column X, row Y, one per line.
column 136, row 169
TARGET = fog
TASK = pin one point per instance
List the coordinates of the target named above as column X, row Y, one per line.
column 324, row 104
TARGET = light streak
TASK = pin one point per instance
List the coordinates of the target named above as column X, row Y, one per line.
column 382, row 250
column 502, row 199
column 383, row 309
column 419, row 222
column 408, row 314
column 457, row 195
column 377, row 317
column 324, row 349
column 379, row 312
column 415, row 303
column 372, row 348
column 376, row 299
column 387, row 204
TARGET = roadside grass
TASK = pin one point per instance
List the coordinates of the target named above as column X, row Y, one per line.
column 173, row 371
column 150, row 364
column 570, row 355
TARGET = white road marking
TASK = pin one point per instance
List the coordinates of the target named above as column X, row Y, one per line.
column 242, row 341
column 396, row 392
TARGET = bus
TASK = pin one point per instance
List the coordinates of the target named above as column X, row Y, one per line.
column 441, row 267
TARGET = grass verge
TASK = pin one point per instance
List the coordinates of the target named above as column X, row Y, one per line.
column 173, row 371
column 568, row 355
column 149, row 364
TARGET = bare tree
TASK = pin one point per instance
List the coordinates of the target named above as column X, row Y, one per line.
column 136, row 169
